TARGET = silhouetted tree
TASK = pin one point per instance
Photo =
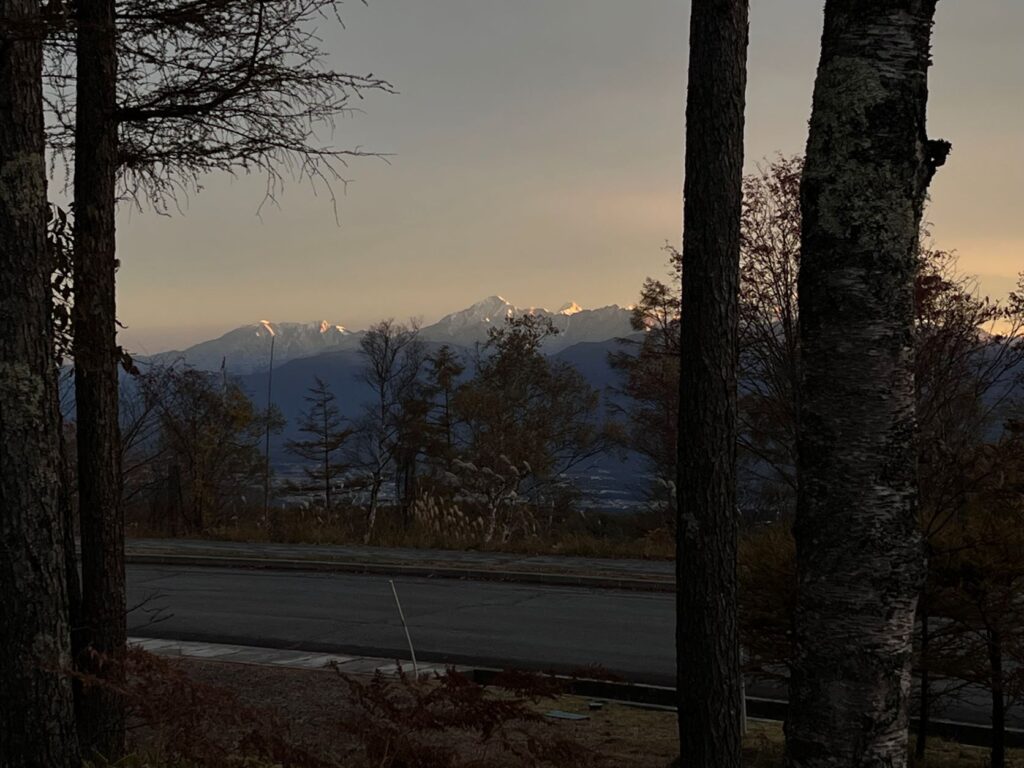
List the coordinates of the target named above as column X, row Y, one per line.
column 975, row 583
column 208, row 445
column 649, row 366
column 60, row 237
column 162, row 92
column 324, row 425
column 443, row 370
column 104, row 628
column 707, row 642
column 769, row 323
column 527, row 420
column 36, row 709
column 392, row 363
column 965, row 374
column 860, row 562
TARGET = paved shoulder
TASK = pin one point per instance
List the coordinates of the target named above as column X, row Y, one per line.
column 646, row 575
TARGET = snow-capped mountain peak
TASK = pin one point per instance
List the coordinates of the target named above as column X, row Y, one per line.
column 574, row 323
column 326, row 327
column 247, row 349
column 489, row 311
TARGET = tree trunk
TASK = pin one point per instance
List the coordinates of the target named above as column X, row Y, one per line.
column 327, row 462
column 73, row 581
column 37, row 724
column 997, row 758
column 860, row 561
column 96, row 355
column 925, row 706
column 371, row 519
column 707, row 642
column 492, row 522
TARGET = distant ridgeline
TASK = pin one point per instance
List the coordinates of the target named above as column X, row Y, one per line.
column 247, row 349
column 329, row 351
column 615, row 480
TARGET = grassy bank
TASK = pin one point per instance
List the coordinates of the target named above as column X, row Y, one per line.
column 582, row 534
column 191, row 713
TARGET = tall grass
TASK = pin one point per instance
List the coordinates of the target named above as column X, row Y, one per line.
column 432, row 523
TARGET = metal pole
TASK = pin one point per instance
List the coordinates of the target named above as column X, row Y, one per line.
column 408, row 637
column 266, row 470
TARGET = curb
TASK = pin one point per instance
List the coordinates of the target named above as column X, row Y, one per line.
column 398, row 569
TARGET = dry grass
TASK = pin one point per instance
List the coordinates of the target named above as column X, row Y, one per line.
column 589, row 535
column 319, row 712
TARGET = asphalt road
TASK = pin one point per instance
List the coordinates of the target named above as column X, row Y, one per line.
column 497, row 624
column 487, row 623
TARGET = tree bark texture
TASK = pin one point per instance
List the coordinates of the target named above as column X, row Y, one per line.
column 37, row 724
column 860, row 561
column 101, row 717
column 707, row 644
column 924, row 713
column 997, row 757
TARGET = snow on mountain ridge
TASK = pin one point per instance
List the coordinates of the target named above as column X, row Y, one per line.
column 247, row 349
column 574, row 323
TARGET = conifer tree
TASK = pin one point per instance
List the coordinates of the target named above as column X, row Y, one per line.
column 326, row 435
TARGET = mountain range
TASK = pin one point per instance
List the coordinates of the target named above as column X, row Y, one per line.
column 331, row 352
column 246, row 350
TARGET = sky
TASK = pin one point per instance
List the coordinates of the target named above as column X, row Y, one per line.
column 534, row 150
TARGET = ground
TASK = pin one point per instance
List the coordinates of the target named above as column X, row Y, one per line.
column 344, row 720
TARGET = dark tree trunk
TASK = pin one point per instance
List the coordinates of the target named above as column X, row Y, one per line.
column 37, row 724
column 860, row 562
column 73, row 581
column 707, row 644
column 925, row 705
column 96, row 370
column 997, row 758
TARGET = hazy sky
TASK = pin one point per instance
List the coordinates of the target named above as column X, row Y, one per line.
column 536, row 153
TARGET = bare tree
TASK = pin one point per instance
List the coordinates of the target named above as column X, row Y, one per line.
column 770, row 326
column 969, row 360
column 237, row 86
column 209, row 433
column 162, row 93
column 392, row 363
column 707, row 641
column 860, row 562
column 37, row 724
column 976, row 577
column 527, row 421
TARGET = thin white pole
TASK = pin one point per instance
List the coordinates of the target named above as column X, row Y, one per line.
column 266, row 458
column 743, row 706
column 408, row 637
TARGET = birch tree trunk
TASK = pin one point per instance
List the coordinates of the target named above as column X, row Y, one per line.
column 860, row 562
column 707, row 643
column 101, row 717
column 37, row 724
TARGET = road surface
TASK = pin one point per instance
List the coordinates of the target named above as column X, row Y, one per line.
column 487, row 623
column 449, row 620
